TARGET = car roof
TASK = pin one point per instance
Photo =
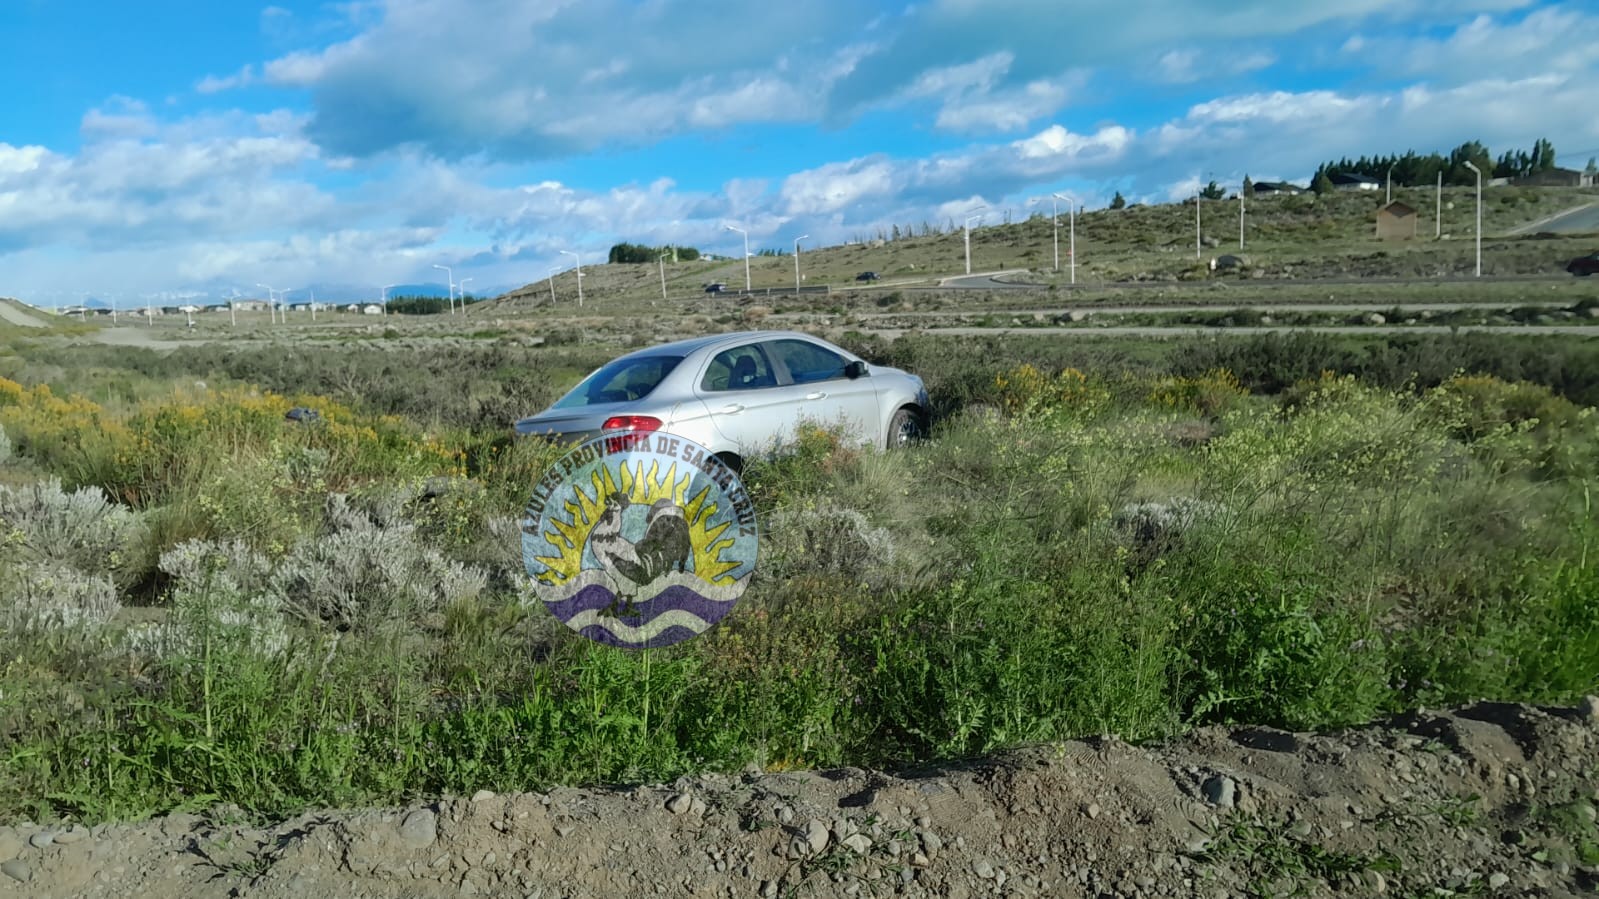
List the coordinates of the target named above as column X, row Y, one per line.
column 695, row 344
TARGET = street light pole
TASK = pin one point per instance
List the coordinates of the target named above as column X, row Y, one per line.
column 1479, row 215
column 1438, row 211
column 383, row 297
column 552, row 285
column 1054, row 226
column 1388, row 196
column 1071, row 233
column 578, row 261
column 966, row 226
column 1198, row 241
column 1240, row 218
column 661, row 261
column 462, row 285
column 270, row 302
column 796, row 262
column 449, row 277
column 746, row 235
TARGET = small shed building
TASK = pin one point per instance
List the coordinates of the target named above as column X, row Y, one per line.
column 1396, row 221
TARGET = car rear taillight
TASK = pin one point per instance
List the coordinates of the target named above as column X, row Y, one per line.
column 631, row 423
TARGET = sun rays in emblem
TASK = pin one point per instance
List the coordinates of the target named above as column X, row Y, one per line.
column 569, row 535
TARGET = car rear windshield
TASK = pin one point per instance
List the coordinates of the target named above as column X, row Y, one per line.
column 622, row 381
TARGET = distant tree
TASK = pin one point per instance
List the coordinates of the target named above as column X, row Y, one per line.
column 1323, row 183
column 1249, row 187
column 629, row 253
column 1593, row 166
column 1543, row 156
column 1476, row 154
column 1213, row 191
column 407, row 305
column 894, row 235
column 1118, row 201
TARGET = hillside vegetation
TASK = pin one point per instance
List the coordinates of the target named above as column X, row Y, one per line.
column 1302, row 236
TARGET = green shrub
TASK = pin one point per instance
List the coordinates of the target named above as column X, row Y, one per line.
column 1271, row 647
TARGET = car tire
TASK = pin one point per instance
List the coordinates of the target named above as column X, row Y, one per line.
column 905, row 428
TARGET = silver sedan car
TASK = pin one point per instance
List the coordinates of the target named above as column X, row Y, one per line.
column 740, row 395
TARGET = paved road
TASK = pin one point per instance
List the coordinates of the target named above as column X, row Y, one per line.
column 1193, row 331
column 990, row 282
column 16, row 315
column 1267, row 309
column 987, row 281
column 1581, row 220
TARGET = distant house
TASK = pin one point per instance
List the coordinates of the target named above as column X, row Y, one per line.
column 1275, row 188
column 1396, row 221
column 1557, row 178
column 371, row 309
column 1352, row 181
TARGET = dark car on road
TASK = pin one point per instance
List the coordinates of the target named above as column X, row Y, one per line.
column 867, row 276
column 1583, row 266
column 715, row 287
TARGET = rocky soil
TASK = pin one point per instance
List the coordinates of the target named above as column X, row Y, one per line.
column 1489, row 800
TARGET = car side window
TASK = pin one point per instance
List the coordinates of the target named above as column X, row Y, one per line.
column 740, row 368
column 807, row 363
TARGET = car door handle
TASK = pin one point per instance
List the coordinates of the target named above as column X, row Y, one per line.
column 732, row 408
column 816, row 396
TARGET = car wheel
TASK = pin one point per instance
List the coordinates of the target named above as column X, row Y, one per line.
column 905, row 428
column 732, row 460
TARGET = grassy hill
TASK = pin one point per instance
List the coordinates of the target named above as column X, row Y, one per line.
column 1285, row 237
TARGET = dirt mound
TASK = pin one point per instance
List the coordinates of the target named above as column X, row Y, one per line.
column 1492, row 799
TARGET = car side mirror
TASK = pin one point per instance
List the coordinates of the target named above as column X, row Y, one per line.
column 855, row 369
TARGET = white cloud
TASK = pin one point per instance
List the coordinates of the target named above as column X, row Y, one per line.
column 1189, row 65
column 1055, row 142
column 542, row 79
column 122, row 117
column 1549, row 39
column 213, row 84
column 837, row 186
column 136, row 182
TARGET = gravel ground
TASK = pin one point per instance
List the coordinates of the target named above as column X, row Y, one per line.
column 1491, row 799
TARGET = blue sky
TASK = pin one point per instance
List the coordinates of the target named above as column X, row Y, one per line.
column 171, row 146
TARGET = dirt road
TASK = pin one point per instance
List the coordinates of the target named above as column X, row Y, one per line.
column 17, row 314
column 1493, row 800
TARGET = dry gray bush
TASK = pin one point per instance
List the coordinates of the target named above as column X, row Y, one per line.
column 82, row 530
column 1152, row 529
column 827, row 538
column 46, row 596
column 222, row 595
column 364, row 574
